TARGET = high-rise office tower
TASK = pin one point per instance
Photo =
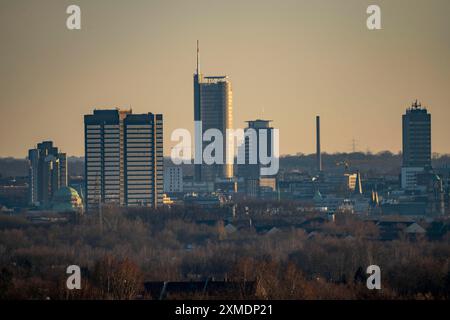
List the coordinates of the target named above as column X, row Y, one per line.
column 103, row 165
column 47, row 173
column 143, row 159
column 123, row 158
column 416, row 144
column 213, row 106
column 416, row 137
column 251, row 170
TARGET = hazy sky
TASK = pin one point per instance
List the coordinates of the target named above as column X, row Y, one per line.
column 288, row 60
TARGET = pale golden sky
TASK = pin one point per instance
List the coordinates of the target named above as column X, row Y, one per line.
column 288, row 60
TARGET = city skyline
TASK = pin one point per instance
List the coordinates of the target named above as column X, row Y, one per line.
column 311, row 55
column 208, row 158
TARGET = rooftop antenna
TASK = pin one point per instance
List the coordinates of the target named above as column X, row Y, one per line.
column 416, row 104
column 198, row 57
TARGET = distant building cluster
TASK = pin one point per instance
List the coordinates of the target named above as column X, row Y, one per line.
column 48, row 180
column 124, row 166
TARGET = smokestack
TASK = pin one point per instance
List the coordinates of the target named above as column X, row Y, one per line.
column 318, row 152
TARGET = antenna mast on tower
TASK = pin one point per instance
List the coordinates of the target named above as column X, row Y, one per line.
column 198, row 57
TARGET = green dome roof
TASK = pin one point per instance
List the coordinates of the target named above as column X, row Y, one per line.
column 66, row 192
column 67, row 199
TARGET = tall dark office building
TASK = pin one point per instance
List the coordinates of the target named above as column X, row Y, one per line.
column 416, row 143
column 251, row 170
column 252, row 147
column 416, row 137
column 47, row 173
column 123, row 158
column 143, row 159
column 213, row 106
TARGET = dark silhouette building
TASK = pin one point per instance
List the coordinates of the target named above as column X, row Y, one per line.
column 47, row 173
column 251, row 170
column 416, row 137
column 416, row 144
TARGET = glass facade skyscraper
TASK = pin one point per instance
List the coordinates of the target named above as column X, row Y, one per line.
column 213, row 106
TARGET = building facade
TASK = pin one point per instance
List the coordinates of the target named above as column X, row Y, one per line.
column 47, row 173
column 416, row 123
column 213, row 107
column 251, row 170
column 173, row 179
column 143, row 159
column 123, row 158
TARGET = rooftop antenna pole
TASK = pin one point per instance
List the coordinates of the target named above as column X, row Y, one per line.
column 198, row 57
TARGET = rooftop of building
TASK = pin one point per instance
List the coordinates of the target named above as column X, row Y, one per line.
column 215, row 79
column 416, row 107
column 115, row 114
column 258, row 123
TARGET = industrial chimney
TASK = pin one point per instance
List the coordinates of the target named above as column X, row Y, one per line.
column 318, row 153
